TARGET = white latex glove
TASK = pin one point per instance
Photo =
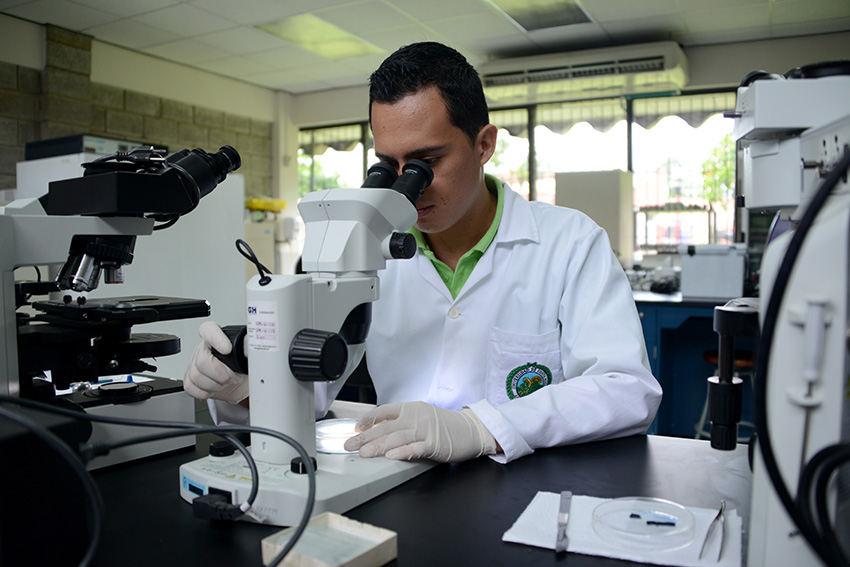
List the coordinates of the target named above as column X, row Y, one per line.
column 208, row 377
column 416, row 430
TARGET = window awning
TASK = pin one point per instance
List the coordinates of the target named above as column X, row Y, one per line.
column 603, row 114
column 341, row 138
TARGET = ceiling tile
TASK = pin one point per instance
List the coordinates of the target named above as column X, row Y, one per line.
column 702, row 5
column 187, row 50
column 185, row 20
column 656, row 28
column 6, row 4
column 568, row 37
column 601, row 11
column 496, row 46
column 132, row 34
column 206, row 31
column 235, row 66
column 242, row 40
column 713, row 37
column 61, row 13
column 390, row 40
column 250, row 13
column 810, row 28
column 728, row 19
column 365, row 19
column 467, row 30
column 441, row 9
column 286, row 57
column 285, row 81
column 795, row 11
column 127, row 8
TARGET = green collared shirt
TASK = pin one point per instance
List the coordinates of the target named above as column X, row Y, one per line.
column 455, row 279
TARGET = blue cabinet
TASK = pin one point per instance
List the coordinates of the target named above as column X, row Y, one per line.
column 677, row 333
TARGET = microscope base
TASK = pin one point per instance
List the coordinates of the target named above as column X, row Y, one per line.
column 342, row 482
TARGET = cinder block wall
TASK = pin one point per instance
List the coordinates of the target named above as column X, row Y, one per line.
column 62, row 100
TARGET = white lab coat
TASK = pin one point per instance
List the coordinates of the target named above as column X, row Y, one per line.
column 548, row 292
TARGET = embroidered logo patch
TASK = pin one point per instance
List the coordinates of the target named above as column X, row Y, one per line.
column 526, row 379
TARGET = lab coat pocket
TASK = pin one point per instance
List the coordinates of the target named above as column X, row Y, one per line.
column 519, row 364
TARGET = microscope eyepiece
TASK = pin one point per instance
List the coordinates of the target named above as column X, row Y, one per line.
column 381, row 175
column 206, row 170
column 415, row 176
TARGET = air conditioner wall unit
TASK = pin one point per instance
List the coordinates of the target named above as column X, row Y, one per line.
column 645, row 68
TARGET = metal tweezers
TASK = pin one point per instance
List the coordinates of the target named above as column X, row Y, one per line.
column 719, row 521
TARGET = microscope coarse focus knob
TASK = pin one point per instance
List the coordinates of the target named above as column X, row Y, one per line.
column 402, row 245
column 316, row 356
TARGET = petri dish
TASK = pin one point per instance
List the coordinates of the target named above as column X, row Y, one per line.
column 331, row 435
column 644, row 524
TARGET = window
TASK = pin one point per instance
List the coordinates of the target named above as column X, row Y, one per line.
column 684, row 171
column 332, row 157
column 679, row 149
column 510, row 160
column 579, row 136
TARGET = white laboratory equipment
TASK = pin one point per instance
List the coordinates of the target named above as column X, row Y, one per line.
column 794, row 133
column 305, row 329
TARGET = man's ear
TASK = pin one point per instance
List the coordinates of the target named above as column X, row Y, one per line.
column 486, row 142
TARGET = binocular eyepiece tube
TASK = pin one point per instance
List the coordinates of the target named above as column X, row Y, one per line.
column 415, row 176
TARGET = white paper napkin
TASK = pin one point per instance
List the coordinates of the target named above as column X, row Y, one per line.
column 537, row 526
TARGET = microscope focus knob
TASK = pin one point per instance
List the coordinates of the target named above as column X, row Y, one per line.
column 316, row 356
column 402, row 245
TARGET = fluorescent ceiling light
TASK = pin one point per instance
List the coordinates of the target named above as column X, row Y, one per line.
column 319, row 36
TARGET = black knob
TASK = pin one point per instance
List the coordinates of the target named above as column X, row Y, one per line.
column 297, row 465
column 402, row 245
column 236, row 359
column 221, row 448
column 316, row 356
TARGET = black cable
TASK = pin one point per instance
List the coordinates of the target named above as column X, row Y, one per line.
column 104, row 448
column 246, row 251
column 194, row 429
column 218, row 429
column 836, row 458
column 810, row 478
column 34, row 267
column 172, row 220
column 91, row 492
column 93, row 451
column 768, row 330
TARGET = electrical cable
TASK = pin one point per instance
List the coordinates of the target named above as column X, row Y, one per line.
column 186, row 428
column 760, row 385
column 815, row 477
column 248, row 253
column 92, row 494
column 103, row 448
column 836, row 458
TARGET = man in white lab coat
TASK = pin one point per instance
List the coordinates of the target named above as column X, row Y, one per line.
column 512, row 329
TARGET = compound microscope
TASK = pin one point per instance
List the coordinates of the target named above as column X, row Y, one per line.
column 793, row 134
column 303, row 330
column 89, row 226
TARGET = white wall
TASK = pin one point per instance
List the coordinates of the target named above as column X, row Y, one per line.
column 134, row 71
column 726, row 65
column 21, row 43
column 335, row 106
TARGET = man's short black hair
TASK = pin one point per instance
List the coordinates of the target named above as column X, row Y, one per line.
column 421, row 65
